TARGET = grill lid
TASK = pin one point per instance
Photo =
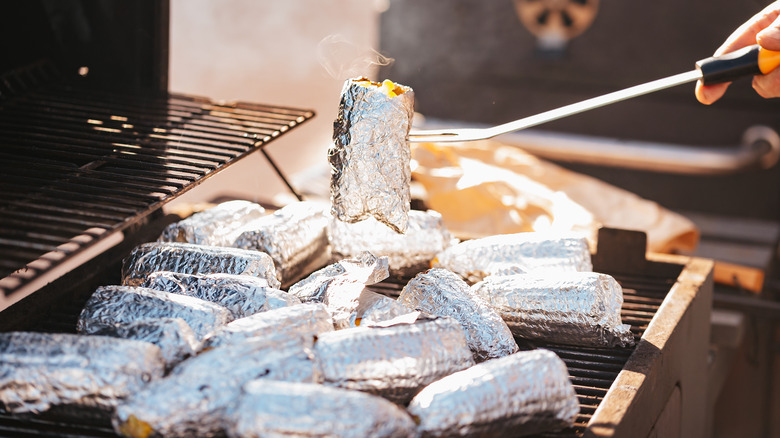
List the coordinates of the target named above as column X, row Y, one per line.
column 78, row 165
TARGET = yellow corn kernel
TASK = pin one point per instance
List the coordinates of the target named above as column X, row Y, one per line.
column 136, row 428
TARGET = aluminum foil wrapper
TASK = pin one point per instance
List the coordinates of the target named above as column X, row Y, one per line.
column 189, row 258
column 286, row 323
column 522, row 394
column 443, row 293
column 39, row 371
column 217, row 226
column 370, row 158
column 309, row 410
column 340, row 285
column 110, row 307
column 407, row 253
column 396, row 361
column 177, row 341
column 196, row 397
column 242, row 295
column 375, row 308
column 515, row 253
column 295, row 236
column 576, row 308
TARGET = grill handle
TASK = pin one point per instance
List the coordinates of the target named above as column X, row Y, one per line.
column 760, row 149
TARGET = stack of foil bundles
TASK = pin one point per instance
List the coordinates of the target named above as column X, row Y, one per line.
column 217, row 226
column 515, row 253
column 39, row 371
column 407, row 253
column 370, row 157
column 576, row 308
column 295, row 236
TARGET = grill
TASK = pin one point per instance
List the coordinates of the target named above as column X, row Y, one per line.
column 79, row 165
column 89, row 160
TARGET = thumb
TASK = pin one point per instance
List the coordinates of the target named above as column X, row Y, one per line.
column 769, row 37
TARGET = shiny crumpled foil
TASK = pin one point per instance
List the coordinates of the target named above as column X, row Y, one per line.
column 174, row 336
column 515, row 253
column 303, row 320
column 219, row 225
column 443, row 293
column 195, row 398
column 396, row 361
column 339, row 285
column 295, row 236
column 189, row 258
column 309, row 410
column 521, row 394
column 370, row 157
column 113, row 306
column 576, row 308
column 375, row 308
column 407, row 253
column 242, row 295
column 41, row 370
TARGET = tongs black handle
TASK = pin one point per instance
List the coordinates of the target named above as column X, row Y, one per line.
column 748, row 61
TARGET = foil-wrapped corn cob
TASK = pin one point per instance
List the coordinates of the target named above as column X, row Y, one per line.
column 394, row 362
column 578, row 308
column 174, row 336
column 295, row 236
column 407, row 253
column 242, row 295
column 41, row 370
column 111, row 307
column 515, row 253
column 304, row 320
column 370, row 158
column 521, row 394
column 443, row 293
column 340, row 285
column 219, row 225
column 196, row 397
column 309, row 410
column 189, row 258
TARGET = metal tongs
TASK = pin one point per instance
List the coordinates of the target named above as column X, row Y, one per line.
column 749, row 61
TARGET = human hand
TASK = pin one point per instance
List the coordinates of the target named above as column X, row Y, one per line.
column 762, row 29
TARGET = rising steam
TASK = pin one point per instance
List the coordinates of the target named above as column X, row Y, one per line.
column 343, row 59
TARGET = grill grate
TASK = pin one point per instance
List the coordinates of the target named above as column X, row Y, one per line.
column 79, row 164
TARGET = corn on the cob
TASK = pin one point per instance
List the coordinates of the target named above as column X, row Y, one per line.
column 295, row 236
column 579, row 308
column 42, row 370
column 303, row 320
column 242, row 295
column 396, row 361
column 407, row 253
column 340, row 285
column 110, row 307
column 515, row 253
column 174, row 336
column 189, row 258
column 310, row 410
column 217, row 226
column 370, row 158
column 443, row 293
column 521, row 394
column 195, row 398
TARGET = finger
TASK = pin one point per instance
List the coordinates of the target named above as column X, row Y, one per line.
column 768, row 85
column 746, row 34
column 769, row 38
column 708, row 94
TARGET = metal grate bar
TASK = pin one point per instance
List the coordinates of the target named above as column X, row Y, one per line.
column 76, row 159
